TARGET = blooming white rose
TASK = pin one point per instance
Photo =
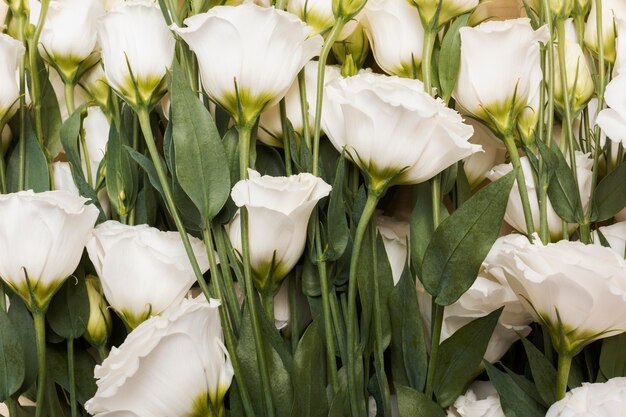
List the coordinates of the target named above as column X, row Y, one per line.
column 168, row 366
column 483, row 88
column 489, row 292
column 395, row 235
column 514, row 214
column 134, row 37
column 480, row 400
column 11, row 53
column 448, row 9
column 606, row 399
column 579, row 287
column 41, row 241
column 613, row 120
column 478, row 164
column 375, row 119
column 270, row 126
column 615, row 236
column 68, row 35
column 396, row 34
column 611, row 9
column 279, row 209
column 143, row 270
column 261, row 49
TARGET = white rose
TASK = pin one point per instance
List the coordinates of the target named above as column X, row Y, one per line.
column 42, row 239
column 606, row 399
column 615, row 235
column 261, row 49
column 514, row 214
column 374, row 118
column 279, row 209
column 395, row 32
column 485, row 89
column 270, row 127
column 611, row 9
column 168, row 366
column 134, row 34
column 11, row 53
column 68, row 35
column 480, row 400
column 581, row 287
column 613, row 120
column 143, row 270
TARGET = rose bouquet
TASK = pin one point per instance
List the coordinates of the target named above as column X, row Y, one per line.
column 312, row 208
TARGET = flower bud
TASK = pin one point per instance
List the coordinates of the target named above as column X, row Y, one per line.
column 561, row 9
column 355, row 45
column 429, row 9
column 347, row 9
column 611, row 9
column 581, row 7
column 94, row 82
column 99, row 323
column 319, row 15
column 580, row 85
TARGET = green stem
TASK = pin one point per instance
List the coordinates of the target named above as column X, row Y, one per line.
column 71, row 376
column 436, row 324
column 12, row 406
column 436, row 200
column 293, row 312
column 68, row 90
column 144, row 121
column 326, row 307
column 562, row 374
column 39, row 317
column 509, row 142
column 427, row 53
column 286, row 138
column 357, row 406
column 268, row 306
column 245, row 131
column 304, row 107
column 35, row 90
column 22, row 136
column 229, row 289
column 332, row 36
column 229, row 336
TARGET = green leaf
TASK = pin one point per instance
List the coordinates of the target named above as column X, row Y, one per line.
column 201, row 163
column 269, row 162
column 83, row 370
column 543, row 372
column 384, row 278
column 69, row 312
column 36, row 175
column 562, row 190
column 338, row 230
column 413, row 403
column 12, row 367
column 408, row 340
column 51, row 120
column 309, row 375
column 146, row 164
column 462, row 241
column 612, row 358
column 460, row 356
column 25, row 327
column 340, row 405
column 450, row 57
column 610, row 197
column 527, row 386
column 122, row 182
column 422, row 226
column 515, row 402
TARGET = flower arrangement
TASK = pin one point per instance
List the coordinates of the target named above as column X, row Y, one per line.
column 411, row 208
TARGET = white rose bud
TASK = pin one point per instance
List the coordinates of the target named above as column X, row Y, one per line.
column 68, row 36
column 11, row 53
column 611, row 9
column 251, row 58
column 99, row 324
column 487, row 91
column 134, row 38
column 374, row 118
column 395, row 235
column 168, row 366
column 143, row 270
column 279, row 209
column 396, row 35
column 53, row 228
column 606, row 399
column 94, row 82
